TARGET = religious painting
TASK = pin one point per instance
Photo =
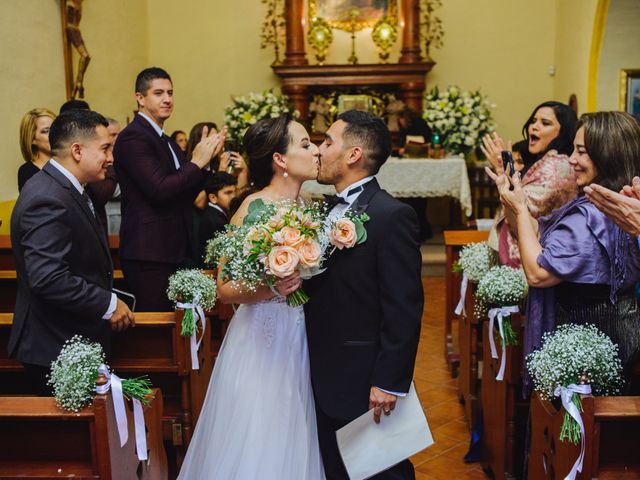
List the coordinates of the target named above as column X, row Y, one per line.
column 630, row 91
column 355, row 102
column 367, row 12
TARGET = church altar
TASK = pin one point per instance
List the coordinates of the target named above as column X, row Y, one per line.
column 417, row 178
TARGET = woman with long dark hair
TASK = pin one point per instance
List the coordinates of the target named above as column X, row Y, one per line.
column 258, row 419
column 547, row 178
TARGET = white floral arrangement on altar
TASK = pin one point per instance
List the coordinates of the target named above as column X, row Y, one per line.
column 247, row 110
column 475, row 260
column 575, row 355
column 459, row 117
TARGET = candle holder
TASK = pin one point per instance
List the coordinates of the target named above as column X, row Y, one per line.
column 384, row 35
column 320, row 38
column 354, row 13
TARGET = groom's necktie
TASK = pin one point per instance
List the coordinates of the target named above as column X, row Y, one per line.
column 166, row 140
column 333, row 200
column 87, row 199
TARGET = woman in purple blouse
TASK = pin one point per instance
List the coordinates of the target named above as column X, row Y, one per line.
column 580, row 266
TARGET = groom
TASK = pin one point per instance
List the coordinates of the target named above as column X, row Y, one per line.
column 363, row 320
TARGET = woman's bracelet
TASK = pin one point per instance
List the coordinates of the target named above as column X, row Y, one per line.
column 275, row 292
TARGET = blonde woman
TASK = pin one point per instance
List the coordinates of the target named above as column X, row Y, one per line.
column 34, row 142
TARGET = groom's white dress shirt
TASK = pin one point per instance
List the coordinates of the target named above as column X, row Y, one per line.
column 339, row 210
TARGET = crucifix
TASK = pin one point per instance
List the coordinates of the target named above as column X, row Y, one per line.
column 72, row 38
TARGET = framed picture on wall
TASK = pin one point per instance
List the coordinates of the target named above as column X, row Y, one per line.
column 630, row 91
column 368, row 12
column 355, row 102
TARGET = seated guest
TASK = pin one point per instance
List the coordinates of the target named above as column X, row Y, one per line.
column 221, row 190
column 113, row 129
column 547, row 178
column 411, row 123
column 63, row 264
column 34, row 142
column 181, row 139
column 580, row 266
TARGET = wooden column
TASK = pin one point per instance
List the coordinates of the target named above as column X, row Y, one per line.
column 411, row 94
column 295, row 54
column 299, row 97
column 410, row 52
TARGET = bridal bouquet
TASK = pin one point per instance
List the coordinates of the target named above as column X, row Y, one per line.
column 575, row 359
column 247, row 110
column 192, row 290
column 277, row 239
column 75, row 371
column 461, row 118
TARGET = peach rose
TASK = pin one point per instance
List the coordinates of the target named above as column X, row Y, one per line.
column 309, row 252
column 343, row 234
column 291, row 236
column 282, row 261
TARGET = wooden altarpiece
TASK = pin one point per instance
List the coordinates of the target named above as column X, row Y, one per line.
column 406, row 78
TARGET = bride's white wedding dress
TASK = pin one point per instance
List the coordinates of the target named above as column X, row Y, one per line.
column 258, row 419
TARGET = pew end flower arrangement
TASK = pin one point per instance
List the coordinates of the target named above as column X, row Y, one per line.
column 195, row 292
column 575, row 359
column 74, row 373
column 474, row 262
column 278, row 238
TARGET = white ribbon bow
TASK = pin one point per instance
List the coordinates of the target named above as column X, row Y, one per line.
column 115, row 385
column 463, row 293
column 500, row 313
column 566, row 394
column 198, row 313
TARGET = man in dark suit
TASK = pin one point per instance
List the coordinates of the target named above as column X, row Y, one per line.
column 158, row 188
column 363, row 320
column 63, row 263
column 221, row 190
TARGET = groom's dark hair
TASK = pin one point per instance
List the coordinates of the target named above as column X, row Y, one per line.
column 369, row 132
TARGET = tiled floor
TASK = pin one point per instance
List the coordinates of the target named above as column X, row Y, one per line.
column 438, row 394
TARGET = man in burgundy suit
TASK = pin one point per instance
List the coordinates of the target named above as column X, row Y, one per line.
column 158, row 188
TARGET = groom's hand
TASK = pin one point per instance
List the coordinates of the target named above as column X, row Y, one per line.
column 381, row 402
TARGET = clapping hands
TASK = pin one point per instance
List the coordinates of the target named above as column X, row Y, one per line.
column 515, row 200
column 623, row 208
column 210, row 145
column 492, row 147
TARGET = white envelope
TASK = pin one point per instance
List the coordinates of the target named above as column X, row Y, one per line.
column 368, row 448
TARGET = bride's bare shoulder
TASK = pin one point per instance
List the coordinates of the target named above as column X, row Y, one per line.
column 242, row 211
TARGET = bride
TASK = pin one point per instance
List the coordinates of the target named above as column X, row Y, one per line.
column 258, row 418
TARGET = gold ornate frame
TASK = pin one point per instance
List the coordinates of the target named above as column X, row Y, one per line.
column 392, row 13
column 626, row 75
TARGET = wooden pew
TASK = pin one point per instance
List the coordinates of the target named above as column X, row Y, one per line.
column 39, row 440
column 611, row 432
column 504, row 411
column 454, row 240
column 9, row 288
column 154, row 347
column 7, row 262
column 470, row 348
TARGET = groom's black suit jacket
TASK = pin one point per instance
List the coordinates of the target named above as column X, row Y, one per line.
column 363, row 320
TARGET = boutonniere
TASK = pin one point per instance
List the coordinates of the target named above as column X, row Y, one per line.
column 348, row 231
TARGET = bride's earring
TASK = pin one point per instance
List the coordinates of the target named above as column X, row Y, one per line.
column 285, row 174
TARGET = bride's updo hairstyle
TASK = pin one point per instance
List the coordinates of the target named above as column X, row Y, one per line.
column 262, row 140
